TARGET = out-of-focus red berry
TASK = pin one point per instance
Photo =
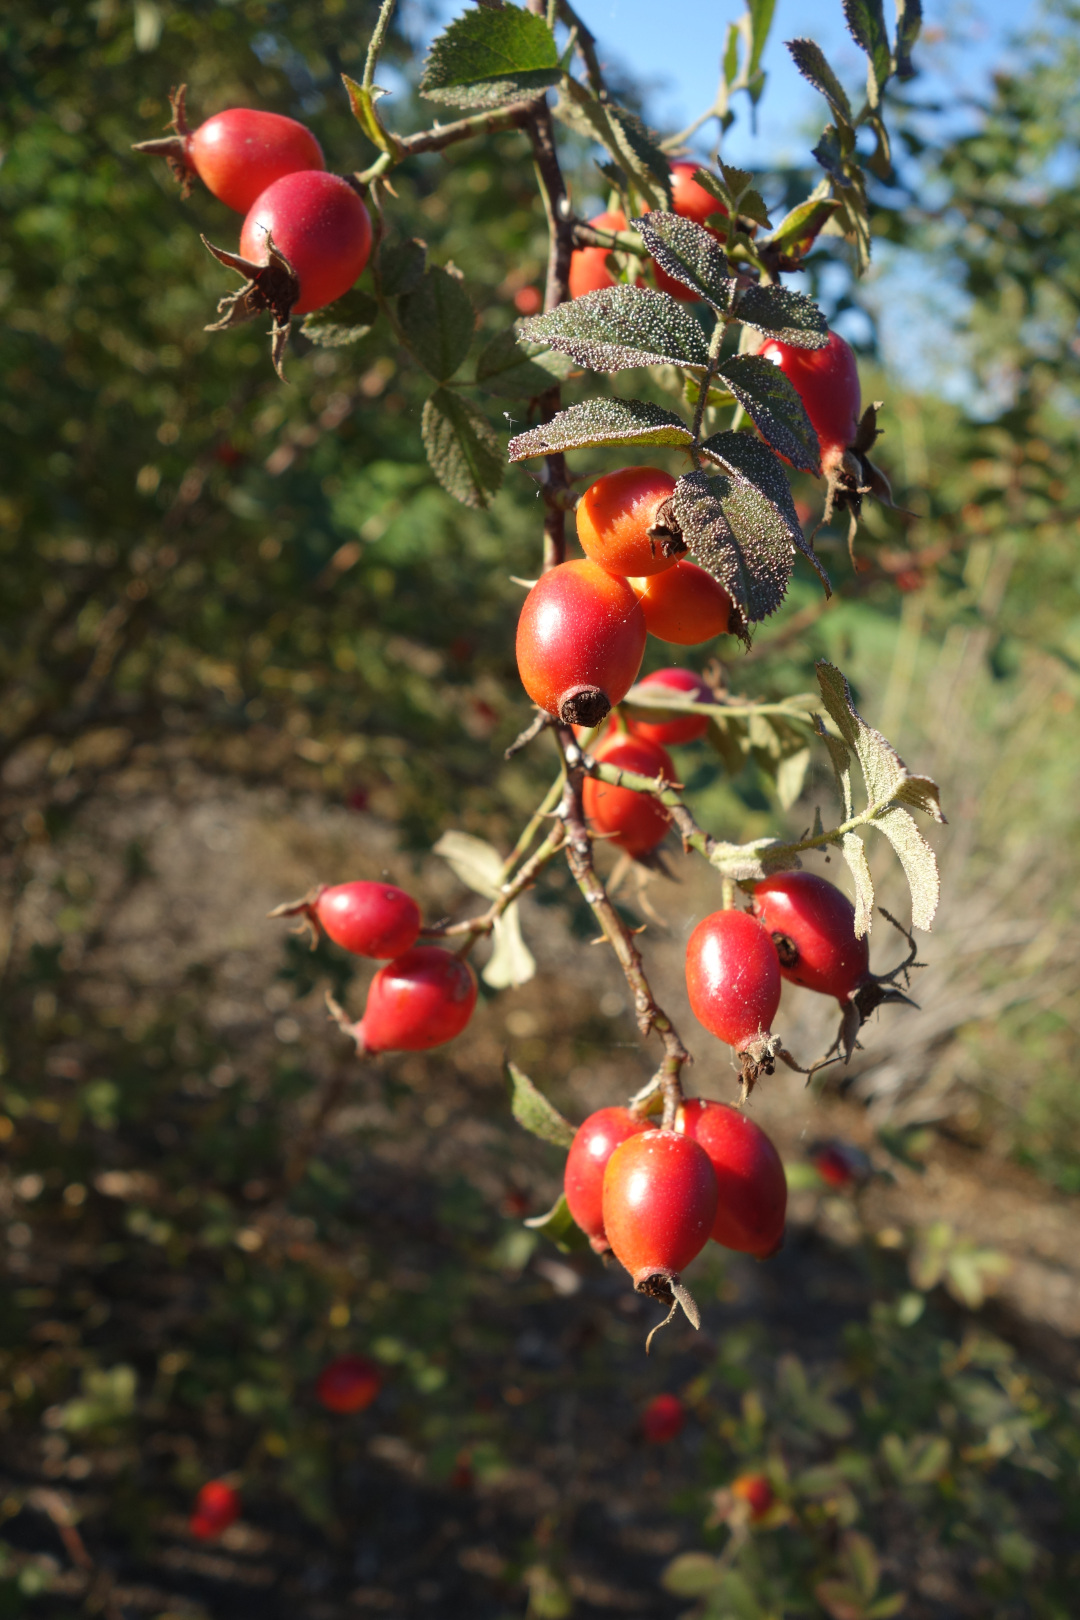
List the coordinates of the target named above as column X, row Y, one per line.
column 348, row 1384
column 663, row 1419
column 528, row 300
column 216, row 1507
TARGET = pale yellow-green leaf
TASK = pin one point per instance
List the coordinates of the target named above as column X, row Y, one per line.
column 511, row 961
column 477, row 863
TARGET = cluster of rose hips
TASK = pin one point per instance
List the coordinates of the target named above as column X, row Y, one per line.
column 306, row 235
column 347, row 1384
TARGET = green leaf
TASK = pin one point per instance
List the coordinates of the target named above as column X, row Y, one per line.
column 643, row 167
column 866, row 24
column 762, row 508
column 887, row 777
column 692, row 1574
column 735, row 193
column 473, row 860
column 862, row 1563
column 908, row 26
column 691, row 254
column 797, row 231
column 461, row 446
column 346, row 321
column 621, row 327
column 511, row 369
column 793, row 317
column 601, row 421
column 854, row 852
column 774, row 406
column 511, row 962
column 366, row 114
column 791, row 777
column 761, row 18
column 918, row 861
column 732, row 530
column 488, row 58
column 438, row 320
column 532, row 1110
column 401, row 266
column 811, row 62
column 559, row 1225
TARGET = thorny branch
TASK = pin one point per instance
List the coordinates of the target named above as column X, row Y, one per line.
column 650, row 1015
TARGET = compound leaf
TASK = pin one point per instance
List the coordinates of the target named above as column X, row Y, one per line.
column 773, row 404
column 689, row 253
column 601, row 421
column 462, row 448
column 793, row 317
column 437, row 319
column 488, row 58
column 532, row 1110
column 620, row 327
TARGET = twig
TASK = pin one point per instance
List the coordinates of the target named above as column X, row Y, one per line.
column 650, row 1016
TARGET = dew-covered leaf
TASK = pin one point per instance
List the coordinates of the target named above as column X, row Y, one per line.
column 854, row 852
column 559, row 1226
column 462, row 448
column 733, row 532
column 515, row 370
column 690, row 254
column 619, row 327
column 401, row 266
column 511, row 962
column 811, row 62
column 437, row 319
column 764, row 503
column 887, row 777
column 774, row 406
column 473, row 860
column 532, row 1110
column 779, row 312
column 488, row 58
column 345, row 321
column 601, row 421
column 866, row 24
column 918, row 861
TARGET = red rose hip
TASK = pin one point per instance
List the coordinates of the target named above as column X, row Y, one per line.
column 684, row 605
column 733, row 977
column 659, row 1205
column 320, row 225
column 680, row 728
column 615, row 516
column 594, row 1142
column 588, row 265
column 216, row 1507
column 663, row 1420
column 580, row 640
column 348, row 1384
column 749, row 1173
column 812, row 924
column 369, row 919
column 422, row 999
column 756, row 1492
column 827, row 381
column 237, row 153
column 632, row 821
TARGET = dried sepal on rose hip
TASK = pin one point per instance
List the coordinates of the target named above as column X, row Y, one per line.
column 303, row 243
column 733, row 981
column 236, row 153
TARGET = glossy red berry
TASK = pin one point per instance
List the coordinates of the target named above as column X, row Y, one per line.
column 238, row 153
column 681, row 728
column 580, row 640
column 594, row 1142
column 369, row 919
column 348, row 1384
column 749, row 1174
column 615, row 516
column 663, row 1419
column 659, row 1204
column 684, row 605
column 733, row 977
column 216, row 1507
column 841, row 1164
column 588, row 265
column 692, row 201
column 827, row 381
column 632, row 821
column 320, row 225
column 756, row 1492
column 812, row 924
column 422, row 999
